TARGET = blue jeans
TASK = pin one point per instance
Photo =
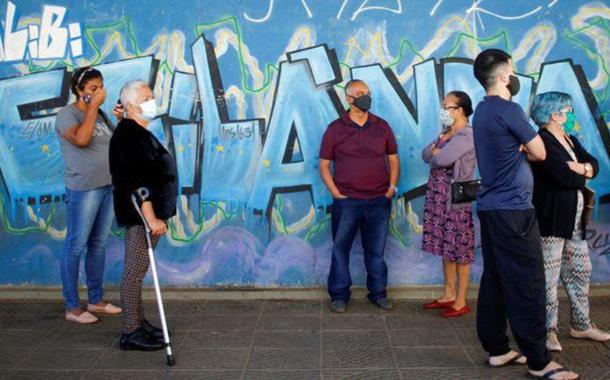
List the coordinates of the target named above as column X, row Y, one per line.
column 89, row 217
column 371, row 217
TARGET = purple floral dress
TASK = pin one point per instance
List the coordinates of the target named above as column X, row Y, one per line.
column 447, row 233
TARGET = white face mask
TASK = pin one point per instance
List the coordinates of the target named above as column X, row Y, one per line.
column 446, row 118
column 149, row 109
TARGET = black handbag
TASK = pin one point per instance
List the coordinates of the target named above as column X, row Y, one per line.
column 465, row 191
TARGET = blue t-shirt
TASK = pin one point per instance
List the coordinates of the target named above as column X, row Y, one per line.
column 500, row 127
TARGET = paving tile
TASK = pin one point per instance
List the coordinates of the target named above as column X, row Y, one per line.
column 115, row 359
column 218, row 339
column 125, row 374
column 356, row 307
column 593, row 355
column 172, row 308
column 464, row 373
column 34, row 322
column 82, row 339
column 353, row 322
column 292, row 323
column 31, row 307
column 208, row 359
column 203, row 374
column 428, row 357
column 10, row 357
column 264, row 358
column 274, row 308
column 46, row 375
column 414, row 320
column 22, row 338
column 225, row 323
column 355, row 340
column 424, row 337
column 61, row 358
column 361, row 374
column 282, row 374
column 364, row 358
column 231, row 308
column 287, row 339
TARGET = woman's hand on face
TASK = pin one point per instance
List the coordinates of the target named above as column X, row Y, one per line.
column 158, row 227
column 98, row 98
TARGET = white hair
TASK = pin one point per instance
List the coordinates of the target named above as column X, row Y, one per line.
column 129, row 91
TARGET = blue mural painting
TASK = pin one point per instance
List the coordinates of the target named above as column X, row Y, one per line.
column 247, row 89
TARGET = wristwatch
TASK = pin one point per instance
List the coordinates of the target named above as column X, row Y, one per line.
column 393, row 187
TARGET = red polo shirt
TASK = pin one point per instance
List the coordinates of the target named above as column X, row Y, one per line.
column 359, row 155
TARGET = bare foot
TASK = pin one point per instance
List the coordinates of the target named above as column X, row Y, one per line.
column 446, row 298
column 500, row 360
column 562, row 375
column 458, row 304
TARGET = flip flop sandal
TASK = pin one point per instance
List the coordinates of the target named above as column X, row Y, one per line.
column 548, row 374
column 511, row 361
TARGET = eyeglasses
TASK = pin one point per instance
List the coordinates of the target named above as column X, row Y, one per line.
column 451, row 108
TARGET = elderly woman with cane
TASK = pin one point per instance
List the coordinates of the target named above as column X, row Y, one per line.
column 138, row 160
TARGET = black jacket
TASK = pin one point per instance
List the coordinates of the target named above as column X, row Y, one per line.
column 137, row 159
column 556, row 186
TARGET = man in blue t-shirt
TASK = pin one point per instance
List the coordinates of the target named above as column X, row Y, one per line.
column 512, row 283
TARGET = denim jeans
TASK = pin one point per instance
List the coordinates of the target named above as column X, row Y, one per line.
column 89, row 217
column 371, row 217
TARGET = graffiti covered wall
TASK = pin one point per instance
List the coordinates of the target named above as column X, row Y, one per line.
column 246, row 90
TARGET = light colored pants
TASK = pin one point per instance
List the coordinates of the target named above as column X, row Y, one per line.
column 568, row 260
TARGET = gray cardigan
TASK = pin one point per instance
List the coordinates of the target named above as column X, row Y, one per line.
column 459, row 153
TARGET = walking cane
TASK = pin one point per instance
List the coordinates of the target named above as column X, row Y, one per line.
column 141, row 195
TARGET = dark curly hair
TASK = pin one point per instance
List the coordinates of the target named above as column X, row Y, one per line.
column 82, row 76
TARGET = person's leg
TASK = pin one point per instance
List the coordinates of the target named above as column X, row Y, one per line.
column 346, row 216
column 80, row 215
column 576, row 276
column 449, row 270
column 96, row 246
column 552, row 249
column 491, row 312
column 463, row 271
column 521, row 272
column 135, row 268
column 373, row 233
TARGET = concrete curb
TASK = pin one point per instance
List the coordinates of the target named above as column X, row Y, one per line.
column 185, row 294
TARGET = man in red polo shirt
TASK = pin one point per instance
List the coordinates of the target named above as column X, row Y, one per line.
column 363, row 149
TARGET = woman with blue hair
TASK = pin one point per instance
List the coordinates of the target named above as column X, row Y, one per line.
column 559, row 182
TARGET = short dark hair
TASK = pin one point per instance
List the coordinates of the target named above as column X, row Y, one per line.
column 486, row 63
column 82, row 76
column 463, row 101
column 352, row 82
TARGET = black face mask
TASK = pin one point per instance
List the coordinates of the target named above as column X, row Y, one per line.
column 363, row 102
column 514, row 85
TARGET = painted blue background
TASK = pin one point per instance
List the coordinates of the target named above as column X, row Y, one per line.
column 240, row 81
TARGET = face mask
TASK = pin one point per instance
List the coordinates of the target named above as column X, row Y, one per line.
column 513, row 85
column 568, row 126
column 363, row 102
column 149, row 109
column 446, row 118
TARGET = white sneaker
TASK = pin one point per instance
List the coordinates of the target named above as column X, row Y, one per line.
column 108, row 309
column 592, row 333
column 552, row 342
column 84, row 318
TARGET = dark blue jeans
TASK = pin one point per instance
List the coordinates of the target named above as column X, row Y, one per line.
column 371, row 217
